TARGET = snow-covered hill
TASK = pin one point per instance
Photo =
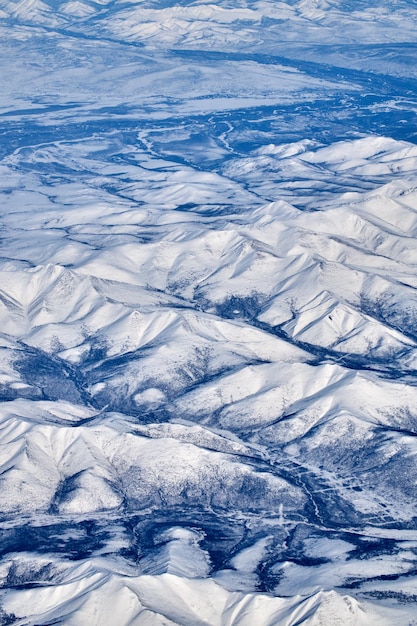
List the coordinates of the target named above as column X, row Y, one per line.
column 208, row 313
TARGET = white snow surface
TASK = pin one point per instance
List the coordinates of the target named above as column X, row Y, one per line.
column 208, row 313
column 92, row 592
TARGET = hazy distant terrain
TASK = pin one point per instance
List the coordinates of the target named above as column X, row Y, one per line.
column 208, row 313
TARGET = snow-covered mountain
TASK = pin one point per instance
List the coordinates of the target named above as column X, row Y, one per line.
column 208, row 313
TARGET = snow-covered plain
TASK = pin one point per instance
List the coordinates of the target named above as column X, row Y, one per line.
column 208, row 313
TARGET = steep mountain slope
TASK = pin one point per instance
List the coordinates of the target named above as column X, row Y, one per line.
column 208, row 313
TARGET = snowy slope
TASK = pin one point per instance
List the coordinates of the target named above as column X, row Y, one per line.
column 208, row 313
